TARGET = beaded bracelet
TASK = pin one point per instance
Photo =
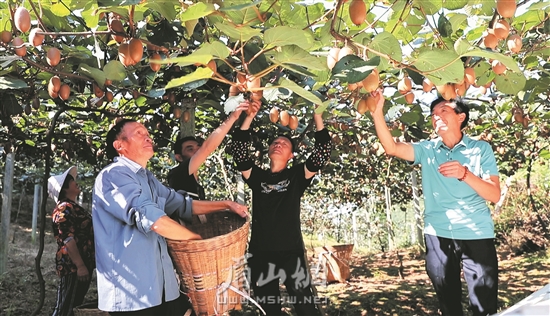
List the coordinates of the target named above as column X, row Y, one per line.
column 465, row 173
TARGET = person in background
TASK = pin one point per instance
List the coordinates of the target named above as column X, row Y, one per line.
column 191, row 154
column 73, row 230
column 276, row 243
column 459, row 175
column 131, row 209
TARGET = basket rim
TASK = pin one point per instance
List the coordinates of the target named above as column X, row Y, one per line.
column 211, row 239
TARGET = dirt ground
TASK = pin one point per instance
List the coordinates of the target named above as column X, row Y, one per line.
column 380, row 284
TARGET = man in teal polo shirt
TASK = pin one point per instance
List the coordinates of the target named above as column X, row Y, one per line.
column 459, row 175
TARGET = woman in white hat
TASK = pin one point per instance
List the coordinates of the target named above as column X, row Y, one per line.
column 72, row 228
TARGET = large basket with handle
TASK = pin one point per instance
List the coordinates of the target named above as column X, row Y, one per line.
column 211, row 270
column 335, row 261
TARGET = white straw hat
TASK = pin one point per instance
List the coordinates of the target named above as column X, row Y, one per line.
column 55, row 183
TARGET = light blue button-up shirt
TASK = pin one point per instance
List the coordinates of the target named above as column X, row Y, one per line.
column 133, row 264
column 452, row 208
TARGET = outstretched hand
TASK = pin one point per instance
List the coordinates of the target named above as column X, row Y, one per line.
column 239, row 209
column 253, row 107
column 379, row 98
column 243, row 106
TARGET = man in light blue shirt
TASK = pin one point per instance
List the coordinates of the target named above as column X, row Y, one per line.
column 459, row 175
column 130, row 211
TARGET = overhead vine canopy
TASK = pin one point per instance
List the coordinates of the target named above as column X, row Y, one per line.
column 159, row 59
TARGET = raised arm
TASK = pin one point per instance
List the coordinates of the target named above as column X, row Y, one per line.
column 216, row 138
column 205, row 207
column 241, row 145
column 400, row 150
column 323, row 147
column 168, row 228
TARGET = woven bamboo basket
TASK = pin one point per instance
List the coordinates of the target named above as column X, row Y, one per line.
column 335, row 260
column 211, row 269
column 89, row 309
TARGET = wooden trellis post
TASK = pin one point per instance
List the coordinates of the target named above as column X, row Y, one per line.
column 6, row 211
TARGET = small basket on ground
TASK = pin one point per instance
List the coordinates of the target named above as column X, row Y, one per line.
column 89, row 309
column 335, row 261
column 211, row 270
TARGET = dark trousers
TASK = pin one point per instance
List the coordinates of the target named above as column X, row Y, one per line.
column 70, row 294
column 480, row 266
column 267, row 268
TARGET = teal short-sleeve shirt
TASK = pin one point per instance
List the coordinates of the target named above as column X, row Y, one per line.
column 452, row 208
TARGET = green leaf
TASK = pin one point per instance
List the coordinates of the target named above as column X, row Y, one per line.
column 539, row 6
column 410, row 117
column 30, row 142
column 9, row 105
column 354, row 69
column 396, row 132
column 405, row 28
column 484, row 73
column 462, row 46
column 444, row 27
column 458, row 20
column 115, row 70
column 206, row 103
column 544, row 154
column 323, row 34
column 297, row 69
column 510, row 82
column 441, row 66
column 428, row 6
column 187, row 60
column 166, row 8
column 197, row 11
column 508, row 61
column 156, row 93
column 12, row 83
column 242, row 33
column 199, row 74
column 216, row 48
column 90, row 15
column 385, row 43
column 292, row 86
column 296, row 56
column 238, row 7
column 321, row 108
column 60, row 10
column 94, row 73
column 284, row 35
column 454, row 4
column 117, row 3
column 259, row 63
column 194, row 85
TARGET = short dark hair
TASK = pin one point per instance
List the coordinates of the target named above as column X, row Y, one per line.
column 461, row 107
column 65, row 186
column 292, row 144
column 177, row 145
column 112, row 135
